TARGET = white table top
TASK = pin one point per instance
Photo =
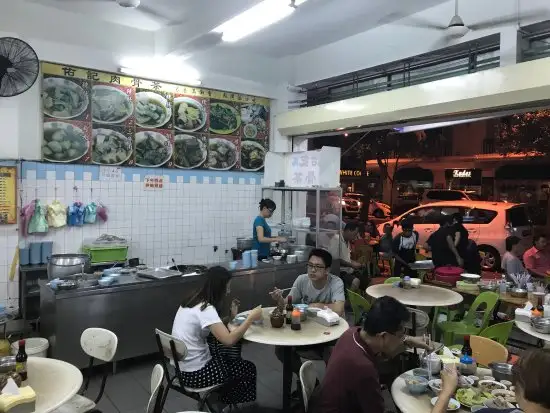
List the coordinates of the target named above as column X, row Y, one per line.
column 53, row 381
column 528, row 329
column 311, row 333
column 408, row 403
column 424, row 296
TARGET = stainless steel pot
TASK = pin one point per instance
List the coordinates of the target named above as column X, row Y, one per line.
column 244, row 243
column 541, row 325
column 65, row 265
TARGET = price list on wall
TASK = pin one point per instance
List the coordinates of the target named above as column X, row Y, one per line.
column 8, row 195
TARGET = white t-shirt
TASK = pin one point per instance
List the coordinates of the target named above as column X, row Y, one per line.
column 339, row 248
column 191, row 327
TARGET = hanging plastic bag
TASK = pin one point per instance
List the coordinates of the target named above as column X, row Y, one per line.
column 38, row 223
column 25, row 216
column 102, row 212
column 75, row 214
column 56, row 215
column 90, row 213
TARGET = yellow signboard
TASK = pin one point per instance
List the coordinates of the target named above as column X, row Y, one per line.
column 8, row 195
column 128, row 81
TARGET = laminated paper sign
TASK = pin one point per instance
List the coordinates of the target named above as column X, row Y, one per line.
column 8, row 196
column 153, row 182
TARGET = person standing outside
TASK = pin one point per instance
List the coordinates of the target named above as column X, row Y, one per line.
column 404, row 249
column 340, row 247
column 437, row 243
column 261, row 231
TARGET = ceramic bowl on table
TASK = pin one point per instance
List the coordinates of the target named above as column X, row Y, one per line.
column 106, row 281
column 453, row 404
column 500, row 405
column 518, row 293
column 111, row 271
column 435, row 386
column 490, row 385
column 416, row 385
column 470, row 278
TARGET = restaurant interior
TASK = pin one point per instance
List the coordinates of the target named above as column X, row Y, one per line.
column 209, row 207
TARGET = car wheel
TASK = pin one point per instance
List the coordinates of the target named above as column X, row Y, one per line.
column 490, row 258
column 378, row 213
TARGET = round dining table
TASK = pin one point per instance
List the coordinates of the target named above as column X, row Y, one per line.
column 423, row 296
column 311, row 333
column 527, row 328
column 408, row 403
column 54, row 381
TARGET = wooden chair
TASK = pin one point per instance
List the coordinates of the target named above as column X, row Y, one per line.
column 487, row 351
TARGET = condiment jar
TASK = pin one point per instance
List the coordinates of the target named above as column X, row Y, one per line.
column 296, row 322
column 467, row 366
column 407, row 283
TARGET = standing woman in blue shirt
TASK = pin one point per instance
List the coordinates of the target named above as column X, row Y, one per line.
column 261, row 231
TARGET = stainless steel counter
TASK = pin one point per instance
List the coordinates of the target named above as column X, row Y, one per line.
column 134, row 306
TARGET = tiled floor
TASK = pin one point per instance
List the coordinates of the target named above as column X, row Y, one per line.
column 128, row 390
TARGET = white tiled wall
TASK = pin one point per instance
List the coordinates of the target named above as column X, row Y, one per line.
column 196, row 211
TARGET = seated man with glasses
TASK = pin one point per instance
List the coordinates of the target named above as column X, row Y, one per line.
column 352, row 379
column 318, row 288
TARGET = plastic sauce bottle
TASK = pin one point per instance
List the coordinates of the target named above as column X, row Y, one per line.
column 21, row 361
column 503, row 286
column 295, row 324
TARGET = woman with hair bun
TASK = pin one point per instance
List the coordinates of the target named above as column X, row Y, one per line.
column 261, row 231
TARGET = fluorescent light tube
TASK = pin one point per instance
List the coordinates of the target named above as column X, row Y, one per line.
column 255, row 19
column 172, row 76
column 415, row 128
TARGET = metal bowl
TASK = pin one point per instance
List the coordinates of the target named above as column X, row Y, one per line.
column 501, row 371
column 518, row 293
column 541, row 325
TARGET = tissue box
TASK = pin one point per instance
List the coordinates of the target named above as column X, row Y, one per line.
column 327, row 317
column 24, row 402
column 522, row 314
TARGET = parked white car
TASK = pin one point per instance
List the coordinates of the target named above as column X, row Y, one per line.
column 489, row 224
column 436, row 195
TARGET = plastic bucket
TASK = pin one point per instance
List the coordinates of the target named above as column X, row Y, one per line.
column 34, row 346
column 36, row 253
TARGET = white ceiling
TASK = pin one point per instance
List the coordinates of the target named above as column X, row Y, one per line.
column 314, row 24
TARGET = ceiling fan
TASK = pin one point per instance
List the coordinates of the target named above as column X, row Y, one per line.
column 457, row 28
column 129, row 4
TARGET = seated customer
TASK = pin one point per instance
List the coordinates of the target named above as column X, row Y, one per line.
column 511, row 264
column 340, row 247
column 210, row 358
column 351, row 382
column 437, row 243
column 318, row 288
column 537, row 258
column 530, row 379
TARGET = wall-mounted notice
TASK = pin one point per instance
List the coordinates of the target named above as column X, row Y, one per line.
column 153, row 182
column 8, row 195
column 110, row 173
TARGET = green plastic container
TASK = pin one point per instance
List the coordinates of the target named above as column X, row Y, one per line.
column 109, row 253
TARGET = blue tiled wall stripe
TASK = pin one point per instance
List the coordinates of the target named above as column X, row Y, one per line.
column 201, row 176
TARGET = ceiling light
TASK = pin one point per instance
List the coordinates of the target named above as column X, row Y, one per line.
column 255, row 19
column 415, row 128
column 168, row 68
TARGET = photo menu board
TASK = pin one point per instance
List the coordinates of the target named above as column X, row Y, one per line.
column 109, row 119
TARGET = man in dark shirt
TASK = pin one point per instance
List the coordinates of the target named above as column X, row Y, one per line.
column 438, row 245
column 382, row 336
column 404, row 249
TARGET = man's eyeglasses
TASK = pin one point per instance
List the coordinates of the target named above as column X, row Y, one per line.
column 315, row 268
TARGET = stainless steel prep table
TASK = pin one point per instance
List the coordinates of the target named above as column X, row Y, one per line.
column 135, row 306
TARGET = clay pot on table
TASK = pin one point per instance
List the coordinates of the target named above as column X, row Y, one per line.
column 277, row 318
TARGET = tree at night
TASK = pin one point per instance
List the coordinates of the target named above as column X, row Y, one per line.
column 524, row 133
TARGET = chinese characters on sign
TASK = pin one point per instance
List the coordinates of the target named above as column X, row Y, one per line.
column 304, row 168
column 8, row 197
column 110, row 173
column 153, row 182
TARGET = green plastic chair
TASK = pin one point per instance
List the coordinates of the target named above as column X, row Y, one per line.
column 499, row 332
column 359, row 305
column 451, row 315
column 392, row 280
column 467, row 325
